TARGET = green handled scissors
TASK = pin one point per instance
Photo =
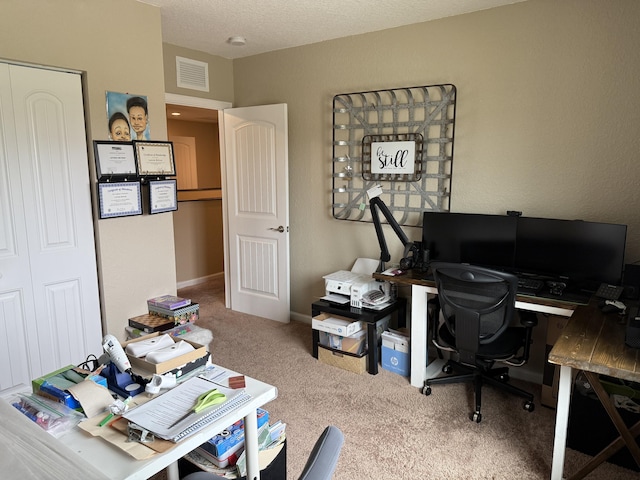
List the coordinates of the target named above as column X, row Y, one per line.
column 206, row 400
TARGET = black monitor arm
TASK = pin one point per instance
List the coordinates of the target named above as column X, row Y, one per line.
column 374, row 204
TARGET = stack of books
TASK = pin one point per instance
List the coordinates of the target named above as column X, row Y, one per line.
column 166, row 312
column 179, row 310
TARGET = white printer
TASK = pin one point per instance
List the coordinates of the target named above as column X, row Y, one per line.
column 355, row 284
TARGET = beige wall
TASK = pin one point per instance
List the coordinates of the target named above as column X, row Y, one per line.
column 198, row 239
column 118, row 47
column 220, row 73
column 547, row 118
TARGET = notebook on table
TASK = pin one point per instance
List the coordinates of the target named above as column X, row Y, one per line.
column 159, row 414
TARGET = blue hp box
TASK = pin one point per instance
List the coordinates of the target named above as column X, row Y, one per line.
column 233, row 437
column 395, row 353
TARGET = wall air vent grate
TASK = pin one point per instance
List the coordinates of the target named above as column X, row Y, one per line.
column 192, row 74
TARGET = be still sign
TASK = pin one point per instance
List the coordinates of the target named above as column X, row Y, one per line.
column 393, row 157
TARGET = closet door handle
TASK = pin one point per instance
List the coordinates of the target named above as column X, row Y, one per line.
column 279, row 229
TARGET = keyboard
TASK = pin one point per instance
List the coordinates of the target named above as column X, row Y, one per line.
column 536, row 287
column 530, row 284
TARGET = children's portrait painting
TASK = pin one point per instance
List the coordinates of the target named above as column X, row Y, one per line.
column 128, row 117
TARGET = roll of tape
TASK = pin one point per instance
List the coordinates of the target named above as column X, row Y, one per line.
column 168, row 381
column 152, row 388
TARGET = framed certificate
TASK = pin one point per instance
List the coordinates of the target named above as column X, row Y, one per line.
column 114, row 159
column 163, row 196
column 155, row 159
column 119, row 199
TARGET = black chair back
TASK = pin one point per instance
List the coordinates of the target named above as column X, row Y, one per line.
column 477, row 304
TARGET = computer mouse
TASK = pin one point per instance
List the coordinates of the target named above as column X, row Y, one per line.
column 610, row 306
column 609, row 309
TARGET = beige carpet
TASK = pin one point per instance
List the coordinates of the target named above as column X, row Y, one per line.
column 391, row 430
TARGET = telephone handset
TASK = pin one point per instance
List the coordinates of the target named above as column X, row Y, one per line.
column 375, row 297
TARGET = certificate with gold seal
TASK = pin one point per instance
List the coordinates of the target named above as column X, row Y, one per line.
column 155, row 159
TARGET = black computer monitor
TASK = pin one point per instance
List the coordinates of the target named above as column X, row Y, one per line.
column 586, row 253
column 485, row 240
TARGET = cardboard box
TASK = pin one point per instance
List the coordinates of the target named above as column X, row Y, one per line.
column 551, row 372
column 346, row 361
column 356, row 343
column 395, row 353
column 336, row 324
column 199, row 352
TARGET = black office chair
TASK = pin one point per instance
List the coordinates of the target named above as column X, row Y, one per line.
column 320, row 465
column 478, row 305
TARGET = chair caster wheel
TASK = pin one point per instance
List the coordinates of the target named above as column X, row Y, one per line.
column 476, row 417
column 529, row 406
column 426, row 390
column 447, row 369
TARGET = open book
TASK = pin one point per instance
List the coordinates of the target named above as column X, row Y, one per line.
column 159, row 414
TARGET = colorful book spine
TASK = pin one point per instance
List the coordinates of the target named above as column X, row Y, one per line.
column 170, row 302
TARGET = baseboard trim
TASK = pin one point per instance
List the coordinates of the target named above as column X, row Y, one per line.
column 299, row 317
column 197, row 281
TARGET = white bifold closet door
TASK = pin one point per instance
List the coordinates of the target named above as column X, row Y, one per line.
column 49, row 301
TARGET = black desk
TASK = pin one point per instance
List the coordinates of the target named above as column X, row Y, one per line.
column 371, row 317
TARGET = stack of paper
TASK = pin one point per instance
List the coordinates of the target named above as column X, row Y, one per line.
column 159, row 414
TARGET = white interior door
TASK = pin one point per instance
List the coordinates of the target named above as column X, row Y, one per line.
column 49, row 302
column 254, row 147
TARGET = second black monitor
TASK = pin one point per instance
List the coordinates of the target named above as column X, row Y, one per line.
column 585, row 253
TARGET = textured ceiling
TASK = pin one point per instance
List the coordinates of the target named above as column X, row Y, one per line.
column 268, row 25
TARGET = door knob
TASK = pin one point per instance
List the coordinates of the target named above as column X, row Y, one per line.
column 279, row 229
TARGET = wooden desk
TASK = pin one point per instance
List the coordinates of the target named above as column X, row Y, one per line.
column 421, row 289
column 594, row 343
column 79, row 450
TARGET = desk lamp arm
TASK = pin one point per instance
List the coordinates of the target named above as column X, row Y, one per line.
column 374, row 204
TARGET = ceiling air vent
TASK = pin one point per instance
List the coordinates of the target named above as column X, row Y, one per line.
column 192, row 74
